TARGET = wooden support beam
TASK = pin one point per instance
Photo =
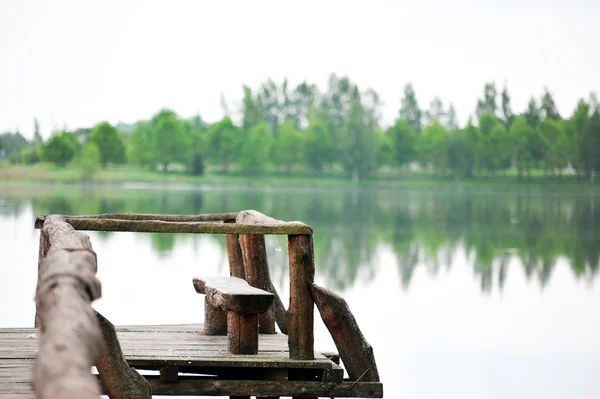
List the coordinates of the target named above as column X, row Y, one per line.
column 301, row 309
column 255, row 259
column 355, row 351
column 234, row 256
column 119, row 381
column 300, row 389
column 70, row 338
column 257, row 274
column 157, row 226
column 242, row 333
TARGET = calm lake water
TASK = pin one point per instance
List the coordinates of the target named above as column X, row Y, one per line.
column 462, row 294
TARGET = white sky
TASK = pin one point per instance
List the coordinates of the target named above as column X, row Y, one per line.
column 76, row 63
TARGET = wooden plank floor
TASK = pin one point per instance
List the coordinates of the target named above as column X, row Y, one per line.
column 153, row 347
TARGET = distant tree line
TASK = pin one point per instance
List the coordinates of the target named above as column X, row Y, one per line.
column 287, row 128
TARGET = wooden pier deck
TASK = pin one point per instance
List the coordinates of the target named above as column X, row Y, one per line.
column 202, row 363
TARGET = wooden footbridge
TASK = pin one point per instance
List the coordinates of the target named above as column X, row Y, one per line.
column 237, row 352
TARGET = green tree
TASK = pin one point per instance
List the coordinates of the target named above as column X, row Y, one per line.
column 37, row 137
column 199, row 144
column 432, row 147
column 141, row 150
column 555, row 145
column 110, row 142
column 171, row 139
column 461, row 151
column 404, row 140
column 385, row 148
column 318, row 146
column 60, row 148
column 409, row 108
column 224, row 143
column 533, row 113
column 507, row 114
column 304, row 98
column 451, row 120
column 548, row 107
column 256, row 150
column 488, row 104
column 252, row 113
column 89, row 160
column 359, row 146
column 590, row 146
column 524, row 138
column 288, row 146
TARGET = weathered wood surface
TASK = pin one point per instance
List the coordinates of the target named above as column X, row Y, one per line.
column 70, row 338
column 209, row 217
column 301, row 309
column 234, row 294
column 257, row 274
column 355, row 351
column 215, row 319
column 256, row 257
column 119, row 380
column 157, row 226
column 153, row 347
column 242, row 333
column 346, row 389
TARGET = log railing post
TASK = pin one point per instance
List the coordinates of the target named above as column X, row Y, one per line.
column 257, row 274
column 70, row 338
column 301, row 309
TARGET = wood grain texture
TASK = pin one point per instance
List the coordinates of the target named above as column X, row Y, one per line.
column 119, row 380
column 212, row 217
column 234, row 294
column 301, row 309
column 257, row 274
column 157, row 226
column 70, row 338
column 242, row 333
column 355, row 351
column 215, row 319
column 256, row 258
column 234, row 256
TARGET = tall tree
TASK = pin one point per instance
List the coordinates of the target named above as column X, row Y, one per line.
column 359, row 146
column 37, row 137
column 555, row 145
column 532, row 115
column 488, row 104
column 110, row 143
column 318, row 146
column 432, row 147
column 403, row 139
column 409, row 108
column 224, row 105
column 288, row 146
column 171, row 139
column 303, row 97
column 548, row 107
column 252, row 113
column 141, row 150
column 451, row 120
column 507, row 114
column 523, row 135
column 254, row 154
column 224, row 142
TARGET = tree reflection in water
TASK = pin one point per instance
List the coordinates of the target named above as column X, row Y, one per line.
column 423, row 229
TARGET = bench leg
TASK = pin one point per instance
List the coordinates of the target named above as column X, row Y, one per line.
column 242, row 333
column 215, row 320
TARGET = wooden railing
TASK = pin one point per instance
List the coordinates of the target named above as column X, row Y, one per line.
column 72, row 332
column 67, row 282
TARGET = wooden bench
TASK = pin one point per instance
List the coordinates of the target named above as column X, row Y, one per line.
column 242, row 302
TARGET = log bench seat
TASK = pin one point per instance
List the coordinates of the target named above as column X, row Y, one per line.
column 234, row 300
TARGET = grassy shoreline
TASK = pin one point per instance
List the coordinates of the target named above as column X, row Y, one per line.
column 43, row 173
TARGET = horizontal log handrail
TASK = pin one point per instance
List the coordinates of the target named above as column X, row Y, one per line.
column 159, row 226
